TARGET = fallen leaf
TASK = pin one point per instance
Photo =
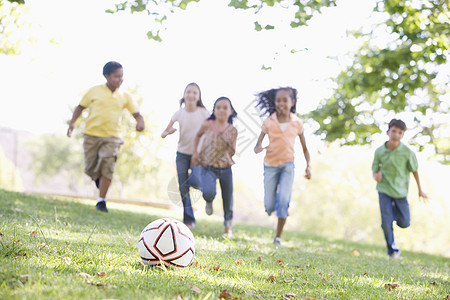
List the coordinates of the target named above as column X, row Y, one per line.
column 271, row 278
column 290, row 295
column 104, row 285
column 67, row 260
column 42, row 245
column 259, row 258
column 33, row 233
column 356, row 253
column 446, row 297
column 101, row 274
column 309, row 298
column 426, row 292
column 84, row 275
column 365, row 274
column 390, row 286
column 225, row 294
column 280, row 261
column 195, row 289
column 1, row 234
column 434, row 283
column 240, row 262
column 215, row 268
column 177, row 295
column 324, row 280
column 194, row 263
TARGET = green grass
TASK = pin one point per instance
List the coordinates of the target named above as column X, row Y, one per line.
column 47, row 244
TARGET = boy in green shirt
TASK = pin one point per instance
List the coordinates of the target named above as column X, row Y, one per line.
column 391, row 167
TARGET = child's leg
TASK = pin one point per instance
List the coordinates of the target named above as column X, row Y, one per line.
column 209, row 178
column 104, row 186
column 387, row 218
column 401, row 210
column 271, row 178
column 183, row 163
column 195, row 178
column 284, row 194
column 226, row 186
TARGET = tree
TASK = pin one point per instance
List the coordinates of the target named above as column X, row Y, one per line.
column 10, row 25
column 401, row 75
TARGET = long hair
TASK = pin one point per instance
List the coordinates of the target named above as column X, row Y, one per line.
column 199, row 102
column 230, row 118
column 265, row 101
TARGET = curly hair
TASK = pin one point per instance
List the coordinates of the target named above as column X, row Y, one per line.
column 265, row 101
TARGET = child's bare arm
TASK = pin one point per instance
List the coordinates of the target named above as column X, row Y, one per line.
column 422, row 195
column 140, row 124
column 194, row 159
column 76, row 114
column 306, row 154
column 169, row 129
column 258, row 147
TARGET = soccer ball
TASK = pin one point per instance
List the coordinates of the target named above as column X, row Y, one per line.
column 166, row 241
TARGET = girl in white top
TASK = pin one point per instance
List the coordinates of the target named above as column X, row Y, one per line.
column 190, row 118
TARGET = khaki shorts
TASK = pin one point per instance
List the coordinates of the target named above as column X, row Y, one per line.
column 100, row 155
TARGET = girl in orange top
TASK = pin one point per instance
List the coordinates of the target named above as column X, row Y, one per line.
column 282, row 126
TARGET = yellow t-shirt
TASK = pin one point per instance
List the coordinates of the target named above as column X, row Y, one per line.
column 105, row 110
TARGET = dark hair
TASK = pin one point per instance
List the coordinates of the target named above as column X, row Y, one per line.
column 397, row 123
column 230, row 118
column 111, row 67
column 265, row 101
column 199, row 102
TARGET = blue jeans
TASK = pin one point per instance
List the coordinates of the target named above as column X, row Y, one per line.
column 225, row 176
column 185, row 181
column 393, row 209
column 278, row 182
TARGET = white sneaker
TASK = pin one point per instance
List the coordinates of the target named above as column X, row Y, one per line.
column 395, row 255
column 277, row 241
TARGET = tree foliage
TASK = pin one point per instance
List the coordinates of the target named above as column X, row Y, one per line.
column 10, row 26
column 160, row 10
column 395, row 77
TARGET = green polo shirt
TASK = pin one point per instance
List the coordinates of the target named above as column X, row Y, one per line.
column 395, row 167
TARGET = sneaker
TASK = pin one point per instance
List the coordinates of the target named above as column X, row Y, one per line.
column 277, row 242
column 190, row 225
column 395, row 255
column 209, row 208
column 101, row 206
column 97, row 182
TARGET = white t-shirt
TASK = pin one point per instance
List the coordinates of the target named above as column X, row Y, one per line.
column 190, row 123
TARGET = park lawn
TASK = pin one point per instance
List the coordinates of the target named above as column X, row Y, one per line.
column 58, row 248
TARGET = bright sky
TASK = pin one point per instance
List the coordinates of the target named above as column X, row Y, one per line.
column 209, row 43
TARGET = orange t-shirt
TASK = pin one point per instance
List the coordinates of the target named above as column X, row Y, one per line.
column 281, row 143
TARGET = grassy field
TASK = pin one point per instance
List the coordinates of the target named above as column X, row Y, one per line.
column 60, row 248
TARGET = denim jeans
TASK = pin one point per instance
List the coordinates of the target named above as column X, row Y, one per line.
column 393, row 209
column 278, row 182
column 185, row 181
column 225, row 176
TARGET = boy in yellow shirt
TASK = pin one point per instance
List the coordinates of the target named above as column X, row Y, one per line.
column 102, row 136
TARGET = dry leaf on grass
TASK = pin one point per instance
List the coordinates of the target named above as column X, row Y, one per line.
column 1, row 234
column 364, row 274
column 33, row 233
column 101, row 273
column 271, row 278
column 240, row 262
column 225, row 294
column 104, row 285
column 215, row 268
column 390, row 286
column 195, row 288
column 84, row 275
column 259, row 258
column 355, row 253
column 177, row 295
column 67, row 260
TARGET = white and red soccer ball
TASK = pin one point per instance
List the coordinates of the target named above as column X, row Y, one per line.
column 166, row 241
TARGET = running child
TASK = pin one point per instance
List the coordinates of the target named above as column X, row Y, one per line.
column 282, row 126
column 216, row 157
column 190, row 118
column 102, row 135
column 391, row 166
